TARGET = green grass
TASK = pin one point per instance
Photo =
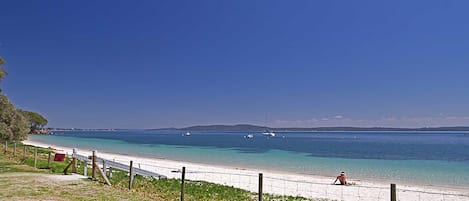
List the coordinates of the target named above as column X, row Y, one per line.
column 143, row 188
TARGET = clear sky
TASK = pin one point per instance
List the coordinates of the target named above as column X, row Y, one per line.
column 153, row 64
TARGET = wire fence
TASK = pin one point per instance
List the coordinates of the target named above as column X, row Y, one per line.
column 286, row 186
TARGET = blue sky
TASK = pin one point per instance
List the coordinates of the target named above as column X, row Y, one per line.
column 151, row 64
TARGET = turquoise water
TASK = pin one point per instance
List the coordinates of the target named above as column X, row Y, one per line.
column 409, row 170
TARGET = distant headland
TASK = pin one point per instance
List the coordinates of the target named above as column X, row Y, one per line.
column 248, row 127
column 83, row 129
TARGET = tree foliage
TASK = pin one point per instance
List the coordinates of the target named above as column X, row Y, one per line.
column 13, row 125
column 16, row 124
column 3, row 72
column 36, row 120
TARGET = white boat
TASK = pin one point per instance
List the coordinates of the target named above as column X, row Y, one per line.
column 187, row 134
column 268, row 133
column 249, row 136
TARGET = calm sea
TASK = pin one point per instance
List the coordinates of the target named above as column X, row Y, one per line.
column 432, row 158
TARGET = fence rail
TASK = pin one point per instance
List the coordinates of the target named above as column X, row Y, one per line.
column 120, row 166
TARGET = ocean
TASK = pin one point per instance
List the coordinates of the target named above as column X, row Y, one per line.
column 429, row 158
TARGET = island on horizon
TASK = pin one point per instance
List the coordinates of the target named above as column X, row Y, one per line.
column 249, row 127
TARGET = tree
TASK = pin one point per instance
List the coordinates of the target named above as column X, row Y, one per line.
column 36, row 120
column 16, row 124
column 3, row 72
column 13, row 125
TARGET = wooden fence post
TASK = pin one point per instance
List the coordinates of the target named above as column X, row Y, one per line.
column 24, row 151
column 48, row 160
column 103, row 175
column 110, row 172
column 74, row 161
column 130, row 175
column 260, row 186
column 393, row 192
column 183, row 177
column 6, row 146
column 14, row 149
column 85, row 168
column 93, row 172
column 35, row 157
column 104, row 167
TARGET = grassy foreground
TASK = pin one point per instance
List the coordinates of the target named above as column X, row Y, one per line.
column 22, row 182
column 19, row 180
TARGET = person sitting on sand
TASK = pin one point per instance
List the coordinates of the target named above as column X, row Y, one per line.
column 342, row 179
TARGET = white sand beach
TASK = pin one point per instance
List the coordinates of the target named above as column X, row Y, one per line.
column 311, row 186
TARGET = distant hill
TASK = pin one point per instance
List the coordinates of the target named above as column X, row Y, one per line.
column 248, row 127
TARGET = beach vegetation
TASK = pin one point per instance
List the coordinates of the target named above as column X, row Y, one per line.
column 13, row 125
column 3, row 72
column 36, row 120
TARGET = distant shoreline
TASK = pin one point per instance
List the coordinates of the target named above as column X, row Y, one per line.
column 248, row 127
column 255, row 128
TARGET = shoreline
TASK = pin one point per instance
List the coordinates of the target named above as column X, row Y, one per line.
column 279, row 182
